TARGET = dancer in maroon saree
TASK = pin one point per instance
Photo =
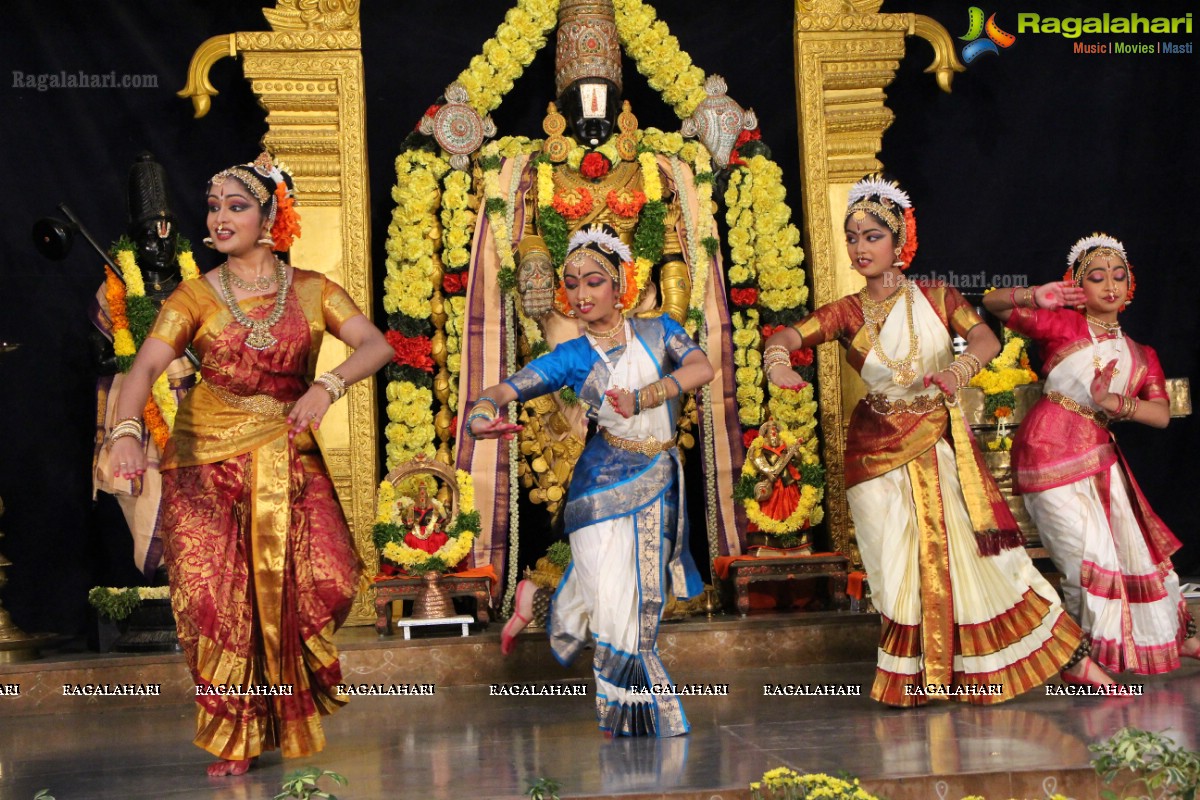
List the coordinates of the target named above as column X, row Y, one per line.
column 261, row 562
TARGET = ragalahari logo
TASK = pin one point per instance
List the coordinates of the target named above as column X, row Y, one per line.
column 996, row 38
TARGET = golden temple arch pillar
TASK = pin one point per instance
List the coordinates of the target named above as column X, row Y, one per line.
column 846, row 54
column 308, row 74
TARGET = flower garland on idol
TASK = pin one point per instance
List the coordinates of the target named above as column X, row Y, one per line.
column 132, row 314
column 764, row 270
column 388, row 532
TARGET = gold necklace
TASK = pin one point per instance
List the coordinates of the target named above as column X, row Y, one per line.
column 1110, row 327
column 260, row 283
column 611, row 333
column 260, row 337
column 904, row 370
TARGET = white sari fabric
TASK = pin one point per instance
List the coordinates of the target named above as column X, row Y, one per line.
column 628, row 543
column 1132, row 609
column 955, row 621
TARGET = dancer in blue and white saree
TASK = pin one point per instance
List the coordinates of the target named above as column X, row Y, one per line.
column 625, row 512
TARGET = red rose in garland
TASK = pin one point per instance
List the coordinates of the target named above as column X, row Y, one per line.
column 802, row 357
column 744, row 298
column 745, row 136
column 411, row 351
column 594, row 166
column 454, row 282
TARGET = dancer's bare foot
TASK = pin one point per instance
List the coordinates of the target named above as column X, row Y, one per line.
column 1087, row 673
column 223, row 767
column 1190, row 648
column 521, row 616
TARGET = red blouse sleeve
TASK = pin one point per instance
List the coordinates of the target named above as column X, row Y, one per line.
column 960, row 315
column 832, row 321
column 1050, row 329
column 1155, row 385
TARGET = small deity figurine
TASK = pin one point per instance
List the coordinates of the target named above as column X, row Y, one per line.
column 152, row 247
column 426, row 522
column 778, row 490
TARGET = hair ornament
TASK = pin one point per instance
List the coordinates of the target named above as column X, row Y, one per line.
column 875, row 185
column 1095, row 240
column 603, row 238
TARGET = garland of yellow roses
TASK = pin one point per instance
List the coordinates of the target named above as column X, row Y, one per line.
column 414, row 269
column 668, row 70
column 458, row 225
column 1003, row 375
column 132, row 314
column 388, row 532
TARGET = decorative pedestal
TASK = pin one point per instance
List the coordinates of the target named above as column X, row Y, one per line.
column 743, row 572
column 387, row 591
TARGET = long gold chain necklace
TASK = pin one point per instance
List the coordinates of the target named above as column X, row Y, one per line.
column 875, row 314
column 1113, row 328
column 260, row 337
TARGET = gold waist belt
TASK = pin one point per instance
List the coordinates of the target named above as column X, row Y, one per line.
column 922, row 404
column 262, row 404
column 1095, row 416
column 647, row 447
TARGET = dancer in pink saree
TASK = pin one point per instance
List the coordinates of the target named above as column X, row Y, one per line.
column 1113, row 550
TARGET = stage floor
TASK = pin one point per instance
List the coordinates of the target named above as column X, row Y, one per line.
column 464, row 743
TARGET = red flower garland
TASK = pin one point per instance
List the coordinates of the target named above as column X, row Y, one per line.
column 454, row 282
column 802, row 357
column 594, row 166
column 415, row 351
column 748, row 437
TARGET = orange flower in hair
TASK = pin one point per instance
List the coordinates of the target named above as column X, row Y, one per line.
column 629, row 298
column 910, row 238
column 287, row 220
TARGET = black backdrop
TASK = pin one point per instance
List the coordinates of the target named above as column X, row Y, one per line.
column 1035, row 147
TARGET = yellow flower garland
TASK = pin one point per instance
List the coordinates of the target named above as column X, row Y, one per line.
column 656, row 53
column 123, row 341
column 505, row 56
column 455, row 549
column 413, row 249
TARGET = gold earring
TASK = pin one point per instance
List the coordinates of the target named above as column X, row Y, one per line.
column 267, row 241
column 555, row 124
column 627, row 140
column 208, row 242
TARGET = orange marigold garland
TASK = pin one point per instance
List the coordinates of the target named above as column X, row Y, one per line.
column 573, row 204
column 287, row 220
column 156, row 424
column 626, row 204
